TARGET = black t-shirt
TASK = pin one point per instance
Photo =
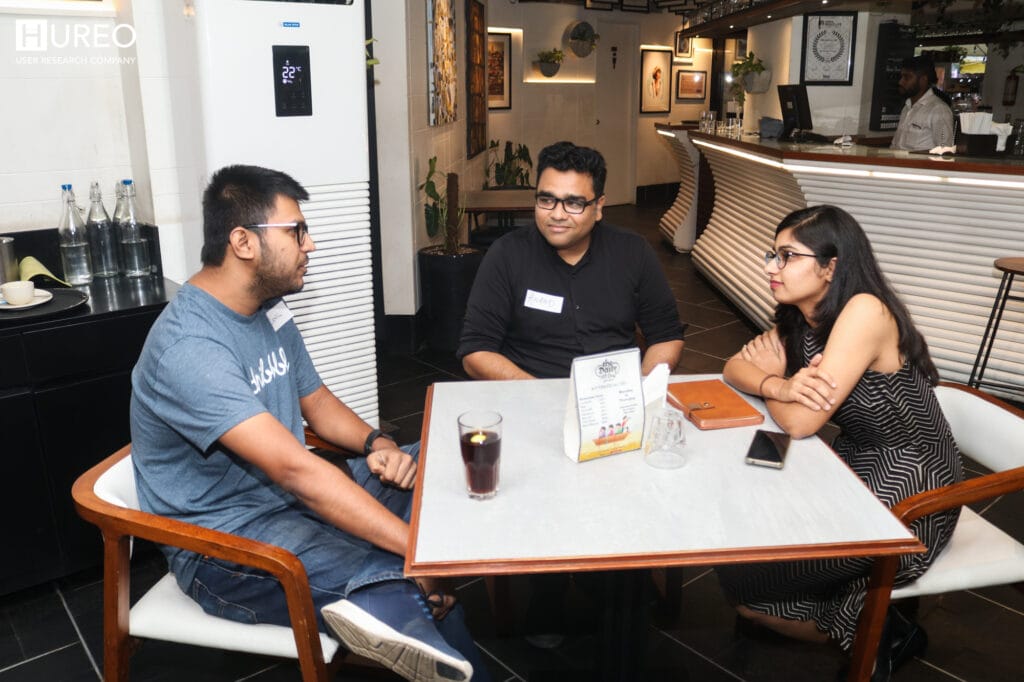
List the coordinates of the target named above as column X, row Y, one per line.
column 540, row 312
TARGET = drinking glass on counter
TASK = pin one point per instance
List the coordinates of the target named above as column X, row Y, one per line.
column 480, row 441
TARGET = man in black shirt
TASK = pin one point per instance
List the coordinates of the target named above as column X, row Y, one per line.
column 574, row 286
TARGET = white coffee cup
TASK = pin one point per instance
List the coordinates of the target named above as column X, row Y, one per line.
column 18, row 292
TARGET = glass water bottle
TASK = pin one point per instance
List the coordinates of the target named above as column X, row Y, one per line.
column 74, row 241
column 135, row 257
column 102, row 236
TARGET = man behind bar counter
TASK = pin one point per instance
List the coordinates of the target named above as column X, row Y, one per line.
column 926, row 120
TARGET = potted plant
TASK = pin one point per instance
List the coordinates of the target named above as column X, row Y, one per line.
column 447, row 269
column 511, row 169
column 549, row 61
column 582, row 38
column 749, row 75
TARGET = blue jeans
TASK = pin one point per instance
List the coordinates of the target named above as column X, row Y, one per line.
column 336, row 563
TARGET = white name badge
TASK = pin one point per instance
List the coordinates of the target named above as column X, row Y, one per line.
column 278, row 315
column 546, row 302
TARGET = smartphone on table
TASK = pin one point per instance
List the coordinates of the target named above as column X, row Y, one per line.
column 768, row 449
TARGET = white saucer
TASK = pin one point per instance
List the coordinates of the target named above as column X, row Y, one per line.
column 41, row 297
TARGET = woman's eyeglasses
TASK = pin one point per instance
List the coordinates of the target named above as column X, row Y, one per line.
column 572, row 205
column 301, row 229
column 781, row 258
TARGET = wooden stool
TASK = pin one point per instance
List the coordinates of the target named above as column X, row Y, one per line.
column 1010, row 267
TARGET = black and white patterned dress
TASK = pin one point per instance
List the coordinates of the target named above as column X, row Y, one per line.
column 896, row 439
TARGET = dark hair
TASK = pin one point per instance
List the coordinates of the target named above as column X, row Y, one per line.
column 922, row 65
column 241, row 195
column 830, row 232
column 565, row 156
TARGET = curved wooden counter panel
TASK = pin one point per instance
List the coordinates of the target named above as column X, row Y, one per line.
column 936, row 226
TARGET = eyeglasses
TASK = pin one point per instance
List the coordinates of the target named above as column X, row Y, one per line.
column 572, row 205
column 782, row 257
column 300, row 228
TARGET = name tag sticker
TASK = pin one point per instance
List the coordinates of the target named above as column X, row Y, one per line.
column 278, row 315
column 545, row 302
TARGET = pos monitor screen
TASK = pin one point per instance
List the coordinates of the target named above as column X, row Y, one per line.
column 796, row 112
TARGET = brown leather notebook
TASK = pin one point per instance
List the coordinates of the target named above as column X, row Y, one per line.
column 712, row 404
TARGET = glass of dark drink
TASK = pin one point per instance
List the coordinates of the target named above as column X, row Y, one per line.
column 480, row 441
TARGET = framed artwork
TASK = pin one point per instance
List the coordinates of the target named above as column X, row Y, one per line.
column 741, row 50
column 441, row 72
column 600, row 4
column 499, row 70
column 634, row 5
column 655, row 72
column 691, row 85
column 476, row 79
column 829, row 39
column 683, row 47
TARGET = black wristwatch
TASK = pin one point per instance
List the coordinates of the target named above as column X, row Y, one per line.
column 374, row 435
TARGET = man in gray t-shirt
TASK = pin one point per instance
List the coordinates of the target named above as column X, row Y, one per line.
column 219, row 397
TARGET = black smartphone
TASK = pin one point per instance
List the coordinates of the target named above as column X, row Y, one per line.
column 768, row 449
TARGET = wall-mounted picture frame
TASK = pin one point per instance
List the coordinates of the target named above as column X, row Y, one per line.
column 691, row 86
column 441, row 62
column 683, row 47
column 603, row 5
column 655, row 85
column 634, row 5
column 740, row 53
column 829, row 39
column 499, row 70
column 476, row 78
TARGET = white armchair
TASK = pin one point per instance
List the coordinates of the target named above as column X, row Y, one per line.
column 991, row 432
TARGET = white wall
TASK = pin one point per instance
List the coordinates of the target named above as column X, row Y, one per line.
column 997, row 68
column 546, row 112
column 63, row 119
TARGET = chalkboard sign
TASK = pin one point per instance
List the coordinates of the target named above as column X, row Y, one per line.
column 895, row 43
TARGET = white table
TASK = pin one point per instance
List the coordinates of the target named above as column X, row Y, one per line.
column 552, row 514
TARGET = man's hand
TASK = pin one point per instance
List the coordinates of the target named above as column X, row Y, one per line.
column 393, row 466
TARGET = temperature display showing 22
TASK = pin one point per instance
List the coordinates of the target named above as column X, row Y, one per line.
column 293, row 93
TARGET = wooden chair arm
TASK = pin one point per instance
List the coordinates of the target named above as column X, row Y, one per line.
column 316, row 441
column 115, row 520
column 959, row 494
column 117, row 524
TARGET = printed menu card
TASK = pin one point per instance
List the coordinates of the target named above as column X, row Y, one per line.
column 605, row 411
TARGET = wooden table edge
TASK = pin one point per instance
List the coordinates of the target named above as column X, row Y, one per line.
column 511, row 566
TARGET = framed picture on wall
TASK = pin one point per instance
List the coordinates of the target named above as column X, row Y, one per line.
column 683, row 47
column 741, row 50
column 634, row 5
column 476, row 79
column 499, row 70
column 691, row 86
column 655, row 72
column 827, row 57
column 441, row 72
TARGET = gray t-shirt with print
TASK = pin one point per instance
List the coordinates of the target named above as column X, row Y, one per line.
column 203, row 370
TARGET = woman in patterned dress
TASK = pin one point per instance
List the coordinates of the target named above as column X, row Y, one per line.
column 844, row 349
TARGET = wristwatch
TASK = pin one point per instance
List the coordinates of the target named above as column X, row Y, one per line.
column 374, row 435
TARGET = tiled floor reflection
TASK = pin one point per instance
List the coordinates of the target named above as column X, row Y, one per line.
column 54, row 632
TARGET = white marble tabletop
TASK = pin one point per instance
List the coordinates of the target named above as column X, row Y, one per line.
column 553, row 514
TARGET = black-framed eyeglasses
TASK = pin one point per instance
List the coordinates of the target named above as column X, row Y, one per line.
column 781, row 258
column 300, row 228
column 572, row 205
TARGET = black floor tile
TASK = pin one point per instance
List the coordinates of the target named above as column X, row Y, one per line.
column 33, row 623
column 722, row 341
column 65, row 664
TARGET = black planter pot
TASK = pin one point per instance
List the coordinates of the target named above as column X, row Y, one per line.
column 445, row 282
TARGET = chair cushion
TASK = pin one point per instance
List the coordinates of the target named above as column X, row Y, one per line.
column 165, row 612
column 978, row 555
column 117, row 485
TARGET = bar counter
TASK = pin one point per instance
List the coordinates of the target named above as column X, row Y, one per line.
column 936, row 225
